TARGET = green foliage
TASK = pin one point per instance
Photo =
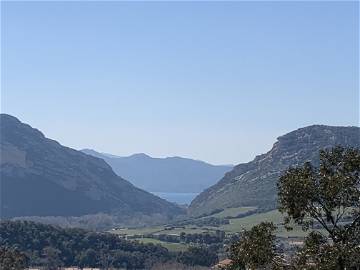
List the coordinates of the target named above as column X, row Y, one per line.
column 256, row 248
column 52, row 247
column 318, row 254
column 329, row 196
column 197, row 256
column 12, row 259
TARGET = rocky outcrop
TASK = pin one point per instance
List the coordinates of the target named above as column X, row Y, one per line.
column 254, row 183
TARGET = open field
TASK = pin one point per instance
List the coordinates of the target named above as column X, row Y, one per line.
column 138, row 231
column 236, row 225
column 175, row 247
column 232, row 212
column 162, row 230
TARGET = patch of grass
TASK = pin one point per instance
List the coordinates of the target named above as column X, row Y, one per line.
column 238, row 224
column 175, row 247
column 188, row 229
column 138, row 231
column 160, row 230
column 233, row 212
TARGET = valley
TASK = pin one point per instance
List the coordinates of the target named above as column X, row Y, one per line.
column 233, row 225
column 74, row 189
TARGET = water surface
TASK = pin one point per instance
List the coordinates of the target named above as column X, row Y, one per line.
column 179, row 198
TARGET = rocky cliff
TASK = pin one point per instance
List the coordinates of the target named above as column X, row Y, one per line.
column 254, row 183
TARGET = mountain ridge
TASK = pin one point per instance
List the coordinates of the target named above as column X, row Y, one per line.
column 169, row 174
column 254, row 183
column 40, row 177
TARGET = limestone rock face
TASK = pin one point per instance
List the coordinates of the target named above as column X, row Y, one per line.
column 254, row 183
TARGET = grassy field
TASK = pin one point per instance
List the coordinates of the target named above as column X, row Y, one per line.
column 236, row 225
column 233, row 212
column 239, row 224
column 138, row 231
column 274, row 216
column 176, row 247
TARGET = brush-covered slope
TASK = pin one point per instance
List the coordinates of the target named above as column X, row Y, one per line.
column 171, row 174
column 40, row 177
column 254, row 183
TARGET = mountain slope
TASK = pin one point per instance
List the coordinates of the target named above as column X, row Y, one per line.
column 254, row 183
column 41, row 177
column 171, row 174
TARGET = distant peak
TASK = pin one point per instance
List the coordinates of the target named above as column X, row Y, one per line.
column 88, row 150
column 140, row 155
column 4, row 116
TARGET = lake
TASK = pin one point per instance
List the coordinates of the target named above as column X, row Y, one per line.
column 179, row 198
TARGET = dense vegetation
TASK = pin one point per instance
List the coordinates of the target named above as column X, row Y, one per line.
column 37, row 244
column 256, row 249
column 198, row 256
column 328, row 195
column 53, row 246
column 191, row 238
column 12, row 259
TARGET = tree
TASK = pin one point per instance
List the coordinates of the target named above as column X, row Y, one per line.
column 12, row 259
column 197, row 256
column 256, row 249
column 87, row 258
column 328, row 196
column 52, row 258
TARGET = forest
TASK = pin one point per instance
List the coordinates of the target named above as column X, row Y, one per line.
column 35, row 244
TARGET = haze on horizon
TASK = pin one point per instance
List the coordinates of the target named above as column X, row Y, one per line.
column 206, row 80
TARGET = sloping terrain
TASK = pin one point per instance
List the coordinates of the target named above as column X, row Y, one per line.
column 254, row 183
column 171, row 174
column 40, row 177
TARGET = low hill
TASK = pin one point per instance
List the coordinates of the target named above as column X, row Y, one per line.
column 254, row 183
column 40, row 177
column 171, row 174
column 52, row 246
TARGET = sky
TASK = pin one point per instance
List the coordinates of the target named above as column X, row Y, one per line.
column 215, row 81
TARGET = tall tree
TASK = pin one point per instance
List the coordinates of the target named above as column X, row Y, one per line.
column 52, row 258
column 12, row 259
column 328, row 195
column 256, row 249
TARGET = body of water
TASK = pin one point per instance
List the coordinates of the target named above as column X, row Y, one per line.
column 179, row 198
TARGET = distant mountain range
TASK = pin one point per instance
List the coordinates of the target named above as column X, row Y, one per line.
column 171, row 174
column 40, row 177
column 254, row 183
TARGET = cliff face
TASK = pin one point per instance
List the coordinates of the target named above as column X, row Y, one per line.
column 41, row 177
column 254, row 183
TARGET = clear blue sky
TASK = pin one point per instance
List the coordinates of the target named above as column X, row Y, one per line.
column 207, row 80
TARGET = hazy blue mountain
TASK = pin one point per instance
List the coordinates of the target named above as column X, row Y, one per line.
column 40, row 177
column 171, row 174
column 254, row 183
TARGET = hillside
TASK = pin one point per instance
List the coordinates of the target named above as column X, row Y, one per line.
column 40, row 177
column 79, row 247
column 254, row 183
column 171, row 174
